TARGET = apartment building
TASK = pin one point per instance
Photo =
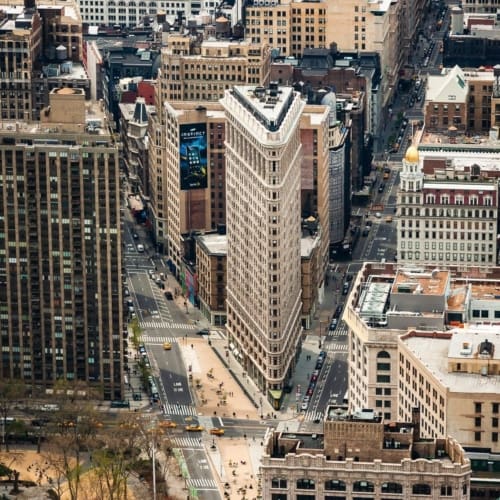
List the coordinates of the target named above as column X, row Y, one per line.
column 289, row 27
column 263, row 160
column 193, row 71
column 423, row 337
column 60, row 249
column 211, row 264
column 358, row 456
column 448, row 209
column 34, row 42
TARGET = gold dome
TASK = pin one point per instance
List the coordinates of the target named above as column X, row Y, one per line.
column 411, row 155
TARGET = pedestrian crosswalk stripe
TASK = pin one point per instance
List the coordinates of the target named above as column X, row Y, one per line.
column 150, row 339
column 338, row 347
column 311, row 416
column 178, row 409
column 187, row 442
column 167, row 324
column 202, row 483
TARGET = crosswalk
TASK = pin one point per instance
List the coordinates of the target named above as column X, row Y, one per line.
column 335, row 347
column 187, row 442
column 157, row 324
column 337, row 333
column 150, row 339
column 202, row 483
column 313, row 415
column 178, row 409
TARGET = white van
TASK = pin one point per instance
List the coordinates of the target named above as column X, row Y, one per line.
column 140, row 248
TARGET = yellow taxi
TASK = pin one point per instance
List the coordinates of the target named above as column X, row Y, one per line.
column 388, row 219
column 168, row 424
column 167, row 346
column 216, row 431
column 194, row 428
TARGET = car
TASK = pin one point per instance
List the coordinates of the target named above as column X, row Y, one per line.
column 194, row 428
column 306, row 399
column 168, row 424
column 369, row 223
column 333, row 324
column 388, row 218
column 151, row 273
column 309, row 391
column 130, row 247
column 304, row 406
column 365, row 232
column 348, row 277
column 217, row 431
column 378, row 215
column 203, row 331
column 140, row 248
column 167, row 346
column 131, row 309
column 338, row 312
column 135, row 236
column 130, row 303
column 142, row 348
column 126, row 292
column 169, row 295
column 345, row 289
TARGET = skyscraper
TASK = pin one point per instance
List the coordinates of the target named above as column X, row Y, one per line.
column 60, row 248
column 263, row 158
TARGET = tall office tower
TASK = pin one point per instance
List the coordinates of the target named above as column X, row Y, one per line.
column 263, row 158
column 60, row 249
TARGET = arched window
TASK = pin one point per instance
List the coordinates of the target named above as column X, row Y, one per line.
column 421, row 489
column 392, row 488
column 334, row 485
column 306, row 484
column 278, row 482
column 363, row 486
column 383, row 354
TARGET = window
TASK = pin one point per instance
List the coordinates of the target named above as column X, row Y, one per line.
column 384, row 379
column 477, row 421
column 392, row 488
column 446, row 490
column 477, row 436
column 278, row 496
column 494, row 407
column 478, row 407
column 383, row 354
column 305, row 484
column 278, row 482
column 421, row 489
column 494, row 437
column 363, row 486
column 335, row 485
column 384, row 366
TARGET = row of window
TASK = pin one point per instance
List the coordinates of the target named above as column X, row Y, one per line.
column 364, row 486
column 445, row 257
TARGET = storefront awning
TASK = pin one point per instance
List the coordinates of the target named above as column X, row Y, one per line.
column 276, row 394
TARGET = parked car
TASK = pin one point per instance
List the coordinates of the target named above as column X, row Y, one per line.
column 140, row 248
column 135, row 236
column 333, row 324
column 203, row 331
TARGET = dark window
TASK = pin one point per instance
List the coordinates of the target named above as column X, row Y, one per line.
column 305, row 484
column 478, row 407
column 477, row 421
column 278, row 482
column 494, row 407
column 392, row 488
column 383, row 354
column 363, row 486
column 421, row 489
column 477, row 436
column 335, row 485
column 384, row 366
column 279, row 496
column 494, row 437
column 494, row 422
column 446, row 490
column 384, row 379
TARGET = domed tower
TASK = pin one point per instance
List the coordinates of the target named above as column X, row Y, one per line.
column 411, row 176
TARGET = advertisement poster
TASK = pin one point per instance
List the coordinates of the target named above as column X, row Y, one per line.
column 193, row 156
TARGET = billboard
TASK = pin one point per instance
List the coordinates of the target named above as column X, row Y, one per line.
column 193, row 156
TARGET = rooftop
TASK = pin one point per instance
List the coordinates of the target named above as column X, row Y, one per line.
column 418, row 281
column 433, row 352
column 268, row 105
column 214, row 244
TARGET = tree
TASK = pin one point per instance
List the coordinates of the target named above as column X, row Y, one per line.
column 11, row 391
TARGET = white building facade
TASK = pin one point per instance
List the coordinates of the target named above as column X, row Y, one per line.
column 263, row 159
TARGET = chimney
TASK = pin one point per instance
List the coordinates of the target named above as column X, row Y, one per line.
column 415, row 419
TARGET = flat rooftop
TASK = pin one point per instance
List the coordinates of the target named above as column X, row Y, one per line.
column 419, row 282
column 434, row 354
column 215, row 244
